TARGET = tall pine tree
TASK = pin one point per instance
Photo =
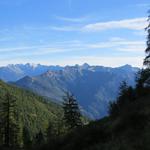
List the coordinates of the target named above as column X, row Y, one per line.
column 27, row 142
column 72, row 115
column 39, row 138
column 9, row 121
column 126, row 97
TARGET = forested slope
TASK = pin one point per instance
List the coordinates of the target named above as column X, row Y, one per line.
column 34, row 112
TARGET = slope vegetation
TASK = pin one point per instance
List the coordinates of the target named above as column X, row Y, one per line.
column 34, row 112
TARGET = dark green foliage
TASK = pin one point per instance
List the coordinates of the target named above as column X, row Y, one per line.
column 72, row 115
column 128, row 130
column 32, row 113
column 50, row 132
column 9, row 121
column 113, row 109
column 141, row 82
column 147, row 58
column 126, row 96
column 26, row 138
column 123, row 97
column 39, row 139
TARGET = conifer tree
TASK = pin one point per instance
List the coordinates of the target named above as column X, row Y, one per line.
column 125, row 97
column 147, row 58
column 50, row 132
column 1, row 129
column 122, row 93
column 9, row 121
column 27, row 142
column 72, row 115
column 39, row 138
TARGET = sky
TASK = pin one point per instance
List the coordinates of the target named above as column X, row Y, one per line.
column 68, row 32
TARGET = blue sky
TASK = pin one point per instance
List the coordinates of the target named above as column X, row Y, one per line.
column 67, row 32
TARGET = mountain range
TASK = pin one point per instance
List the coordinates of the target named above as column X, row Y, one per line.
column 93, row 86
column 15, row 72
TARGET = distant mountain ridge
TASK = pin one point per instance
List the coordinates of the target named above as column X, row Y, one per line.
column 93, row 86
column 15, row 72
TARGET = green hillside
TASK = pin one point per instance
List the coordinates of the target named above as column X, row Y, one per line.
column 34, row 112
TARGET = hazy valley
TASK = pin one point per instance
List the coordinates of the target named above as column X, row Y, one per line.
column 93, row 86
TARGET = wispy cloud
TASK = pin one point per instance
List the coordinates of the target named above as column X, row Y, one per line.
column 53, row 28
column 23, row 54
column 143, row 5
column 72, row 60
column 119, row 44
column 131, row 24
column 136, row 24
column 115, row 44
column 75, row 20
column 65, row 28
column 132, row 48
column 105, row 61
column 6, row 39
column 97, row 60
column 142, row 33
column 33, row 50
column 17, row 49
